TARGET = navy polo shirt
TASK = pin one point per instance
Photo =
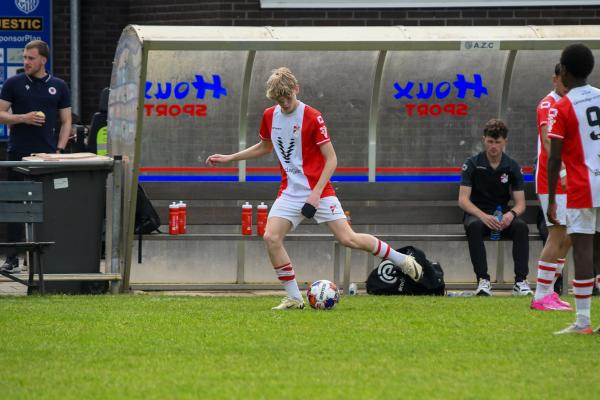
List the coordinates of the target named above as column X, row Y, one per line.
column 26, row 94
column 491, row 187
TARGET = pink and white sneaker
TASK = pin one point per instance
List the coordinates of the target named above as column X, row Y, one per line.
column 567, row 306
column 547, row 303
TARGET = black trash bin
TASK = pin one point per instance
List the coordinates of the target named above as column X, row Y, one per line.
column 74, row 211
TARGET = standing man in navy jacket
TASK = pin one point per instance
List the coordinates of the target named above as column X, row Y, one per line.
column 37, row 101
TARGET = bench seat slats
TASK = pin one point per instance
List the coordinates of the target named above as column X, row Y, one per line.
column 21, row 191
column 405, row 205
column 21, row 212
column 361, row 215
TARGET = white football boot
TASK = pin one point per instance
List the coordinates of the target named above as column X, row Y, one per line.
column 289, row 303
column 412, row 268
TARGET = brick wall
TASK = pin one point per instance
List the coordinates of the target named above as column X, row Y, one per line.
column 101, row 26
column 102, row 22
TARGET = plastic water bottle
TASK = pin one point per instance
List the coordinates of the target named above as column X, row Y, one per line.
column 174, row 219
column 495, row 235
column 353, row 289
column 247, row 219
column 461, row 294
column 261, row 218
column 182, row 217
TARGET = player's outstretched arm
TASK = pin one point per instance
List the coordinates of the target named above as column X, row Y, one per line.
column 258, row 150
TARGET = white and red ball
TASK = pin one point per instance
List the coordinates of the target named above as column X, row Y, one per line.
column 323, row 295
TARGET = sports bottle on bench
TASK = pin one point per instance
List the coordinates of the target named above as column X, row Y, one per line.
column 174, row 219
column 247, row 219
column 182, row 222
column 261, row 218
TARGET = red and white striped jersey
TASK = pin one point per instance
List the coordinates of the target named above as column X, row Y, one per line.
column 297, row 138
column 541, row 169
column 575, row 119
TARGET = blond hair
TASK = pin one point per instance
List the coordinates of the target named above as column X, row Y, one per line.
column 281, row 83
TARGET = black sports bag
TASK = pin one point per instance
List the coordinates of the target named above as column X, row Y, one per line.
column 146, row 218
column 387, row 279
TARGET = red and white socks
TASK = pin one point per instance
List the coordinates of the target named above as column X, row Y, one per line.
column 582, row 290
column 546, row 276
column 598, row 281
column 287, row 276
column 385, row 251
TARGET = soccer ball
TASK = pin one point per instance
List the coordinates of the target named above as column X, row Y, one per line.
column 323, row 295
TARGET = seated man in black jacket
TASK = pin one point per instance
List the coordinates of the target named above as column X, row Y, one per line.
column 488, row 178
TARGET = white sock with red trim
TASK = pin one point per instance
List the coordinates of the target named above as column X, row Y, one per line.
column 287, row 276
column 598, row 281
column 582, row 290
column 546, row 276
column 385, row 251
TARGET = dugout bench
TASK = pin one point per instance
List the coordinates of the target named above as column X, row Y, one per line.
column 22, row 202
column 371, row 205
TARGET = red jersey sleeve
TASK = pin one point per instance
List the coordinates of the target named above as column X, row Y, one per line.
column 266, row 123
column 557, row 120
column 542, row 112
column 320, row 133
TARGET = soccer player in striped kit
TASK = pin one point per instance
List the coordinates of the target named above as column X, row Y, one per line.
column 552, row 258
column 307, row 160
column 574, row 131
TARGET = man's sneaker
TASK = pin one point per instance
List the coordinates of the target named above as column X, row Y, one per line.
column 11, row 266
column 597, row 330
column 522, row 289
column 484, row 288
column 548, row 303
column 574, row 329
column 567, row 306
column 289, row 303
column 412, row 268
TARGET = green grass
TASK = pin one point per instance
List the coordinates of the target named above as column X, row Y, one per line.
column 162, row 347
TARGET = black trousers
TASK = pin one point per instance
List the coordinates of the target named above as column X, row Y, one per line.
column 14, row 232
column 518, row 231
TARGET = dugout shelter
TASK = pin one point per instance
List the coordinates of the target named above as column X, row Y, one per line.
column 402, row 104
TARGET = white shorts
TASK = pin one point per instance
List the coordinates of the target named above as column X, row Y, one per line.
column 583, row 220
column 561, row 208
column 329, row 209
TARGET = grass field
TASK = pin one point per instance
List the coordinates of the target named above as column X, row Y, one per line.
column 174, row 347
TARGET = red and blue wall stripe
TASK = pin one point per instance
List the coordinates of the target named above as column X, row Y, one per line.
column 343, row 174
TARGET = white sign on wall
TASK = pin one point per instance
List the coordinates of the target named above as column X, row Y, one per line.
column 479, row 45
